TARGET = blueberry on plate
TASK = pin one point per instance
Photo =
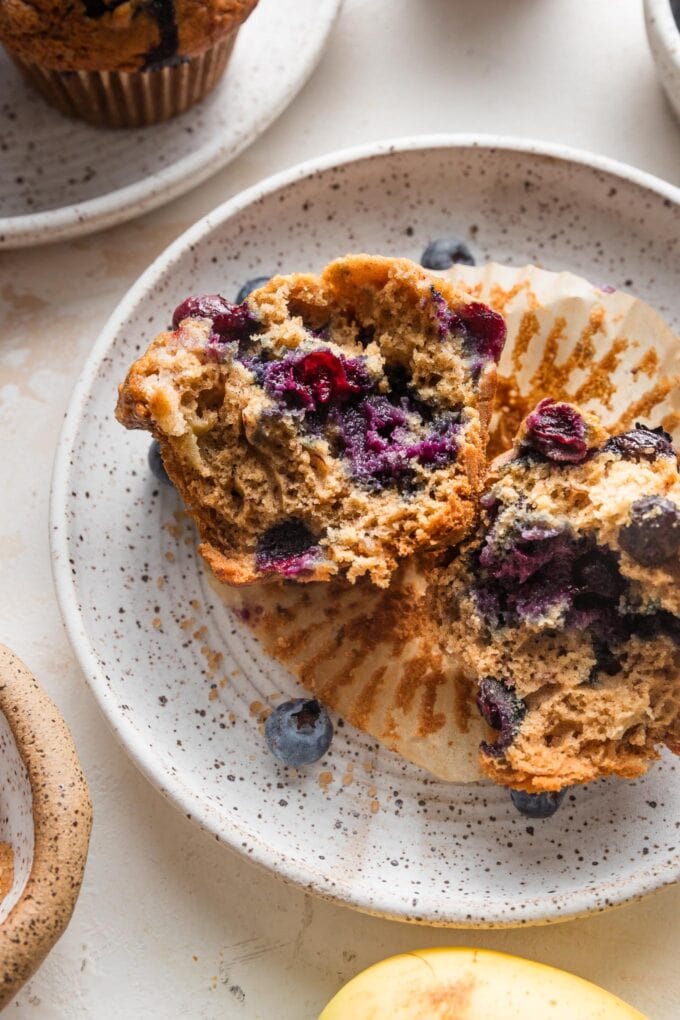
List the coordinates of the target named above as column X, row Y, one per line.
column 156, row 463
column 537, row 805
column 299, row 732
column 443, row 252
column 249, row 286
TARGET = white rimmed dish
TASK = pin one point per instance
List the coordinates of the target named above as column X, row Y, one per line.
column 663, row 34
column 183, row 683
column 63, row 177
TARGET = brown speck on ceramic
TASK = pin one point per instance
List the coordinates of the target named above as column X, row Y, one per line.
column 62, row 177
column 463, row 853
column 49, row 854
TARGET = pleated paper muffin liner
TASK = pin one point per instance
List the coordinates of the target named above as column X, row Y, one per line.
column 129, row 99
column 376, row 657
column 573, row 340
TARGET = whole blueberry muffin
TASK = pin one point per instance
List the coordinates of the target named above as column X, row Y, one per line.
column 122, row 63
column 328, row 425
column 565, row 606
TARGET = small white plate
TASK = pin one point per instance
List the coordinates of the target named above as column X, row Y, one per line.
column 62, row 177
column 183, row 683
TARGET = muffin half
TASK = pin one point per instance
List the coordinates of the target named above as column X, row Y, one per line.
column 565, row 605
column 329, row 425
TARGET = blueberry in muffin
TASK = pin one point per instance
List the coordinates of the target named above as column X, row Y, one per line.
column 327, row 425
column 565, row 605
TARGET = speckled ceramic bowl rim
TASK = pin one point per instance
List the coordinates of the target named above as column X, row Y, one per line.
column 62, row 819
column 539, row 911
column 157, row 188
column 667, row 31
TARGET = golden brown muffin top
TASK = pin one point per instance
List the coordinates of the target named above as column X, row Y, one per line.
column 116, row 35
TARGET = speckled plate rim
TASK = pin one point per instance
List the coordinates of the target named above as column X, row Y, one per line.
column 62, row 820
column 158, row 188
column 540, row 910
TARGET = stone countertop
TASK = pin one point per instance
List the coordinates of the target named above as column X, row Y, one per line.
column 169, row 924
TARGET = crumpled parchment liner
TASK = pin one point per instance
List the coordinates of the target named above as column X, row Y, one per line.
column 374, row 656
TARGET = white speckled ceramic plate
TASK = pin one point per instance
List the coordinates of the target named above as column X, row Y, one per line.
column 62, row 177
column 183, row 684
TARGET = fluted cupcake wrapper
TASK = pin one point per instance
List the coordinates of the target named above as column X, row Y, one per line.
column 129, row 99
column 573, row 340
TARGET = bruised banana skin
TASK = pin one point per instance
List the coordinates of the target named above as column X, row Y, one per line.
column 471, row 984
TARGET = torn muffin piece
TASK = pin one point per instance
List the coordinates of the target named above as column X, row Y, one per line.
column 565, row 605
column 327, row 426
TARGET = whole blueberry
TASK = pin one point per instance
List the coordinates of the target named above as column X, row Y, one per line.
column 652, row 535
column 299, row 732
column 249, row 286
column 675, row 10
column 156, row 463
column 537, row 805
column 443, row 252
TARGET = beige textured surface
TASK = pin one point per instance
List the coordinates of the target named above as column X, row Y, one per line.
column 186, row 929
column 62, row 817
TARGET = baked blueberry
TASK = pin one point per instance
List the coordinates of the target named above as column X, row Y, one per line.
column 557, row 431
column 232, row 325
column 444, row 252
column 299, row 732
column 205, row 306
column 502, row 710
column 156, row 463
column 642, row 443
column 537, row 805
column 485, row 330
column 249, row 286
column 288, row 548
column 652, row 535
column 317, row 381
